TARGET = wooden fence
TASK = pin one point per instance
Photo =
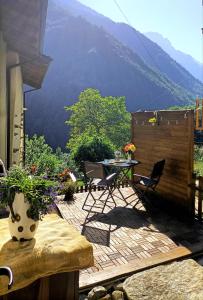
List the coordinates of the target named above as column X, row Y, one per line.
column 198, row 190
column 199, row 115
column 84, row 188
column 170, row 138
column 197, row 187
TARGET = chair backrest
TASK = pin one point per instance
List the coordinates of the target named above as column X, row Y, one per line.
column 2, row 169
column 157, row 170
column 93, row 170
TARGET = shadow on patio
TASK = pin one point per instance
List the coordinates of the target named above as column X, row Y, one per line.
column 126, row 240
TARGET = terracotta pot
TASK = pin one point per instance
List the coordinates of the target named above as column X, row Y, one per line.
column 20, row 225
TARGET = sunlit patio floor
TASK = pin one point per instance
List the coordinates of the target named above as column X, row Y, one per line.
column 126, row 239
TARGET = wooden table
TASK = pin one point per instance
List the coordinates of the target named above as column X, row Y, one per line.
column 47, row 267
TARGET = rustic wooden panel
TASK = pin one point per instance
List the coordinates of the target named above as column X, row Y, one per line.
column 61, row 286
column 170, row 139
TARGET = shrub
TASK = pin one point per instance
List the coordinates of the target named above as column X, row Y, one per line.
column 67, row 188
column 93, row 149
column 41, row 156
column 198, row 153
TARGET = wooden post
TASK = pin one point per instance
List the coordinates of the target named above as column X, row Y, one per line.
column 202, row 116
column 197, row 114
column 200, row 198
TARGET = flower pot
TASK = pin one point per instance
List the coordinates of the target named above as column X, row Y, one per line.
column 20, row 225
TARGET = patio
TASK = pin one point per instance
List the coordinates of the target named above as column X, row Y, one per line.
column 126, row 240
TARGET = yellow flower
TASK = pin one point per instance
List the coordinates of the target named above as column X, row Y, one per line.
column 152, row 120
column 129, row 148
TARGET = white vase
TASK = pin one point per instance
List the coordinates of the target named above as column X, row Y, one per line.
column 21, row 227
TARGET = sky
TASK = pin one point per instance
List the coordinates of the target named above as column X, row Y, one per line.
column 180, row 21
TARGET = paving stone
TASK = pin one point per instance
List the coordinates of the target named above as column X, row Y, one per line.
column 175, row 281
column 117, row 295
column 119, row 286
column 97, row 292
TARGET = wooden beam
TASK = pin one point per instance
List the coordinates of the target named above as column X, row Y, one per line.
column 197, row 114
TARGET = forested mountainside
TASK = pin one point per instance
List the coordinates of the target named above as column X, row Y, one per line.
column 85, row 55
column 186, row 60
column 149, row 51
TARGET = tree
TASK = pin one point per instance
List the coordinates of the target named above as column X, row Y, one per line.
column 39, row 154
column 95, row 115
column 185, row 107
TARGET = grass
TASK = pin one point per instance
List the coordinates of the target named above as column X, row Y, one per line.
column 198, row 167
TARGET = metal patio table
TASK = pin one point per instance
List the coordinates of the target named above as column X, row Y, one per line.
column 122, row 168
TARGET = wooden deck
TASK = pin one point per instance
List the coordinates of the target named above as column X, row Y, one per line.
column 127, row 240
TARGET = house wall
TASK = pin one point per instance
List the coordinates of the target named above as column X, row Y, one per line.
column 171, row 139
column 3, row 101
column 16, row 114
column 16, row 107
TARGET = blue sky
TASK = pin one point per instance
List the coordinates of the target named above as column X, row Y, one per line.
column 178, row 20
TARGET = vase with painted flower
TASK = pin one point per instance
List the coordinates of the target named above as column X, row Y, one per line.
column 28, row 198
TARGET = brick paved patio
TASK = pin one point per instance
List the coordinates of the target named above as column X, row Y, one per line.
column 127, row 239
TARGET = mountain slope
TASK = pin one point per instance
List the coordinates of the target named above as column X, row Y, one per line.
column 86, row 56
column 149, row 51
column 189, row 63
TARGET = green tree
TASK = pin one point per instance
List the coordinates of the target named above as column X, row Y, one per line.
column 40, row 154
column 35, row 147
column 176, row 107
column 95, row 115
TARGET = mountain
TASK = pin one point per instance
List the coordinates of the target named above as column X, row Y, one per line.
column 85, row 55
column 186, row 60
column 151, row 53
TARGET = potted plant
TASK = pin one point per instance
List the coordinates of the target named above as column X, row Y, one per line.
column 28, row 198
column 67, row 184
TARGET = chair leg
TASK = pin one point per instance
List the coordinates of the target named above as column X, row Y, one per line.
column 86, row 200
column 110, row 195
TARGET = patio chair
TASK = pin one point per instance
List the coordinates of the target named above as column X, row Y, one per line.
column 2, row 169
column 6, row 271
column 143, row 183
column 96, row 179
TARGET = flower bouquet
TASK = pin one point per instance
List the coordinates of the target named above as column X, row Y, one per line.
column 129, row 149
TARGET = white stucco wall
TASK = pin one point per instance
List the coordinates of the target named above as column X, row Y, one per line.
column 3, row 101
column 16, row 116
column 16, row 109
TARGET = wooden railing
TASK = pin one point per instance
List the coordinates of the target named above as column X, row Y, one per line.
column 84, row 188
column 199, row 114
column 198, row 188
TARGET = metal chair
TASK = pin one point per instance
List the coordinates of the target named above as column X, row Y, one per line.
column 96, row 179
column 6, row 271
column 2, row 169
column 143, row 183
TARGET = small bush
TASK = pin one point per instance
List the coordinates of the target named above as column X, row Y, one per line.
column 67, row 188
column 42, row 157
column 198, row 153
column 94, row 149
